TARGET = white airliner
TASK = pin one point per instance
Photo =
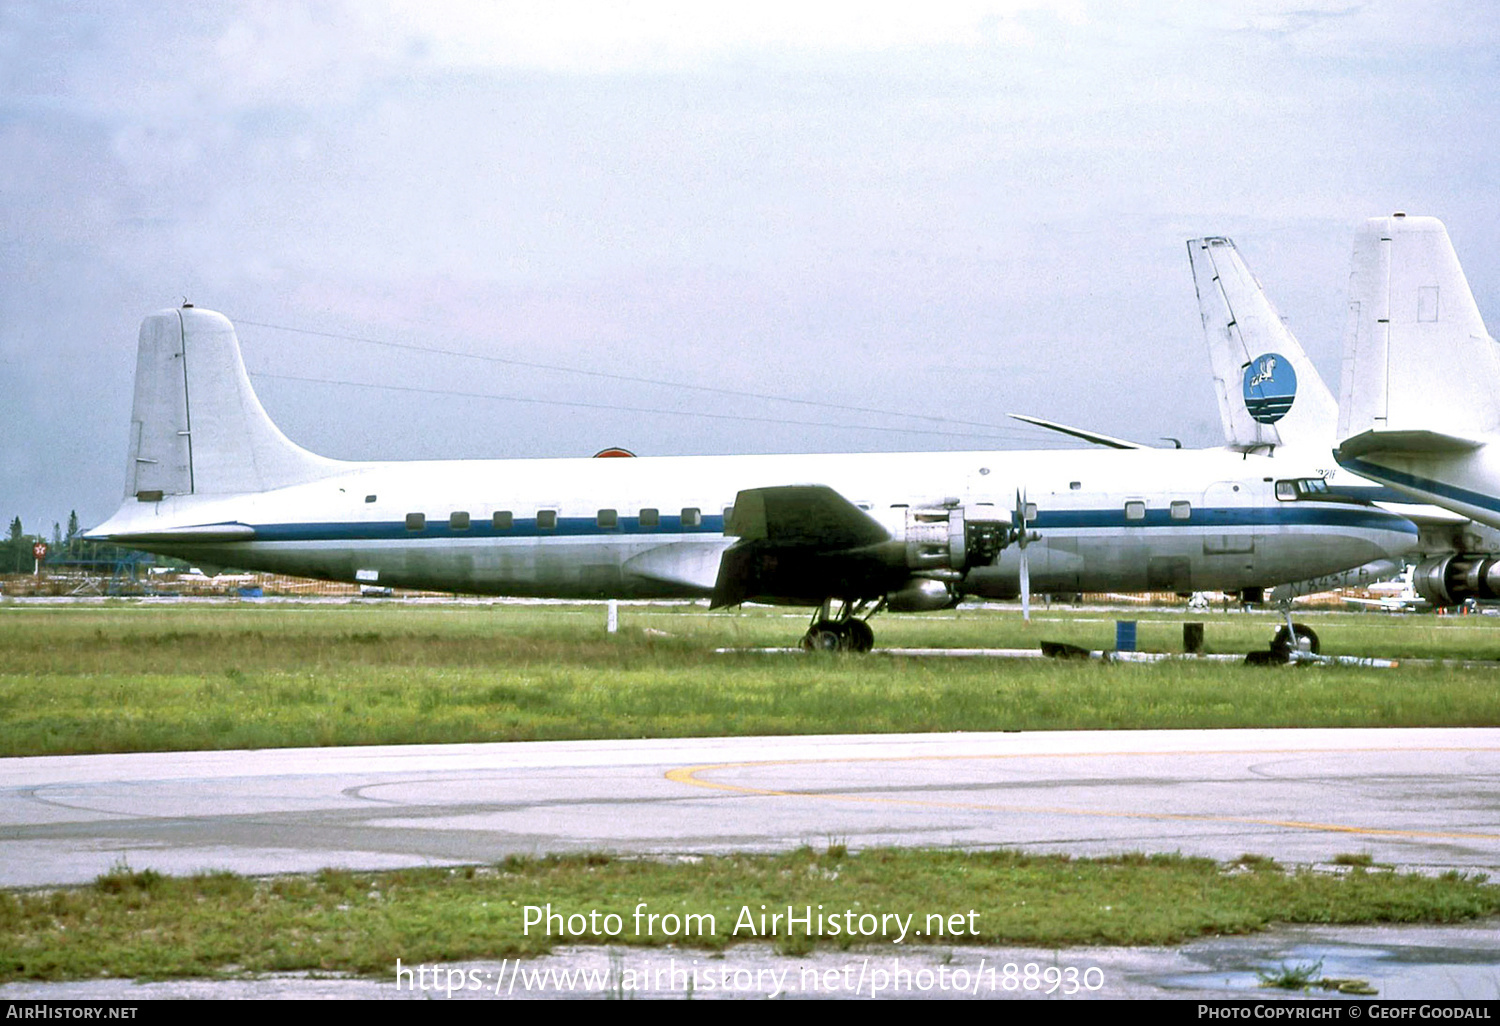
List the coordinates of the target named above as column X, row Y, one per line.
column 1271, row 401
column 211, row 479
column 1246, row 335
column 1420, row 409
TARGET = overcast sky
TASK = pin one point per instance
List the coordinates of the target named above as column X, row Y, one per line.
column 955, row 213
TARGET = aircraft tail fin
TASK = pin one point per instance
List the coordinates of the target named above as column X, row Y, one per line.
column 197, row 427
column 1420, row 370
column 1269, row 392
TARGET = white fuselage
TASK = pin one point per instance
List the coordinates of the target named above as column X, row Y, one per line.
column 1167, row 520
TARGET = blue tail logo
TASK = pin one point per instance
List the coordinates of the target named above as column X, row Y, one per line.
column 1270, row 387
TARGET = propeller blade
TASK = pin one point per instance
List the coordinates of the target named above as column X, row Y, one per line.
column 1025, row 586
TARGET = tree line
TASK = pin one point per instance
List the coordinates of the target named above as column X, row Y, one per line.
column 62, row 547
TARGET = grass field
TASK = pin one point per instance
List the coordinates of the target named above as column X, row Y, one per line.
column 146, row 925
column 138, row 677
column 150, row 677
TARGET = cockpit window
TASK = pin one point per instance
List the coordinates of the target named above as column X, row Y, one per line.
column 1302, row 488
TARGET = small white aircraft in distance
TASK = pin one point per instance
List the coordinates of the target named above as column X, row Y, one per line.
column 1420, row 409
column 211, row 479
column 1398, row 596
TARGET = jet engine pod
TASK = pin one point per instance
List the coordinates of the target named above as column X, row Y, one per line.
column 1450, row 580
column 919, row 595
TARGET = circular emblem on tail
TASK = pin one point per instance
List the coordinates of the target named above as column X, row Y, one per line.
column 1270, row 387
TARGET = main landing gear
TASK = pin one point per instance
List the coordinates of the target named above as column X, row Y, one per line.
column 842, row 626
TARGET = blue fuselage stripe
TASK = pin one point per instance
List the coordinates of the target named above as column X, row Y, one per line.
column 1202, row 518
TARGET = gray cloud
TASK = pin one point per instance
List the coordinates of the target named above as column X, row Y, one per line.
column 958, row 217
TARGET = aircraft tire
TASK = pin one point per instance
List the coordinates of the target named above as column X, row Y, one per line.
column 1284, row 642
column 825, row 636
column 860, row 637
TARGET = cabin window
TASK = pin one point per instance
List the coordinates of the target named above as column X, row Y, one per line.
column 1286, row 491
column 1030, row 512
column 691, row 517
column 416, row 521
column 502, row 520
column 458, row 521
column 546, row 519
column 1075, row 485
column 608, row 519
column 1135, row 511
column 369, row 498
column 1182, row 510
column 650, row 517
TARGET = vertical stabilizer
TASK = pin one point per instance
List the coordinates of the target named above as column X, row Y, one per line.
column 1417, row 357
column 197, row 427
column 1268, row 390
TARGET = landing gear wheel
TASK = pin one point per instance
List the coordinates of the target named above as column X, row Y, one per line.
column 825, row 636
column 861, row 638
column 1284, row 642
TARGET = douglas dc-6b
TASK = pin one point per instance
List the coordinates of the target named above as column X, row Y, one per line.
column 212, row 480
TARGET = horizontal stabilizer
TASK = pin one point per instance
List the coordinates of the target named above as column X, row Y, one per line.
column 1408, row 443
column 1088, row 436
column 203, row 534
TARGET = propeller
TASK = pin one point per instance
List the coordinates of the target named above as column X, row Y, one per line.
column 1023, row 537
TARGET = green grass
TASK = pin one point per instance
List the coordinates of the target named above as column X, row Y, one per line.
column 145, row 925
column 155, row 678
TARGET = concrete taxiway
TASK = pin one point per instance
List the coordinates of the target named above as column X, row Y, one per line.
column 1417, row 798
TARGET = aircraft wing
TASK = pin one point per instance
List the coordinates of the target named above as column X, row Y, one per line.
column 1088, row 436
column 796, row 541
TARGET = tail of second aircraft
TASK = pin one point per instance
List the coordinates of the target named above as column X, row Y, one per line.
column 1269, row 392
column 1421, row 373
column 197, row 427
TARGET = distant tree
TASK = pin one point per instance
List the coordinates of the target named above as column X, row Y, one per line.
column 13, row 547
column 72, row 525
column 56, row 537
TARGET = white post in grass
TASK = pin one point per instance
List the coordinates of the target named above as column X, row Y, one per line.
column 614, row 615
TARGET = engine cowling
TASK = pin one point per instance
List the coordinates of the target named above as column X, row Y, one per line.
column 950, row 538
column 1450, row 580
column 921, row 595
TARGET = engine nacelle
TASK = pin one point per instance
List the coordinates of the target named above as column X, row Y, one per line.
column 919, row 595
column 945, row 538
column 1450, row 580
